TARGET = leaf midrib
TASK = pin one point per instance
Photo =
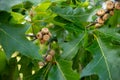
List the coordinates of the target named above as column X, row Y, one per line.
column 104, row 57
column 61, row 71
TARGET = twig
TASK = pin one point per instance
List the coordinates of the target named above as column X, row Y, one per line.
column 91, row 24
column 48, row 50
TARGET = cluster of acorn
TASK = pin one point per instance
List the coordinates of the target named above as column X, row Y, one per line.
column 48, row 58
column 105, row 13
column 43, row 35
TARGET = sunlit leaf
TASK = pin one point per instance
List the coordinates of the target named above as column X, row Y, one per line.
column 17, row 18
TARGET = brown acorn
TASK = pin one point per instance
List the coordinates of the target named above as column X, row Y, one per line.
column 52, row 52
column 109, row 5
column 105, row 17
column 45, row 30
column 111, row 12
column 48, row 58
column 46, row 37
column 100, row 20
column 100, row 12
column 117, row 5
column 39, row 35
column 97, row 25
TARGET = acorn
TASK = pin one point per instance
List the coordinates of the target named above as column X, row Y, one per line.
column 45, row 30
column 100, row 12
column 111, row 12
column 109, row 5
column 97, row 25
column 100, row 20
column 48, row 58
column 46, row 37
column 39, row 35
column 105, row 17
column 117, row 5
column 52, row 52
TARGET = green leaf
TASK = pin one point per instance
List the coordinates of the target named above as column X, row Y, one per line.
column 70, row 48
column 113, row 33
column 13, row 69
column 41, row 11
column 3, row 61
column 62, row 71
column 78, row 15
column 43, row 7
column 26, row 66
column 12, row 38
column 6, row 5
column 115, row 19
column 41, row 74
column 17, row 18
column 4, row 16
column 106, row 59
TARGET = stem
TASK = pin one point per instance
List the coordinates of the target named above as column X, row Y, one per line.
column 47, row 52
column 47, row 70
column 91, row 24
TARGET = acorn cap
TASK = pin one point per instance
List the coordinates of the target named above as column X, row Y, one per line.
column 46, row 37
column 48, row 58
column 105, row 17
column 52, row 52
column 45, row 30
column 111, row 12
column 39, row 35
column 117, row 5
column 100, row 12
column 100, row 20
column 109, row 5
